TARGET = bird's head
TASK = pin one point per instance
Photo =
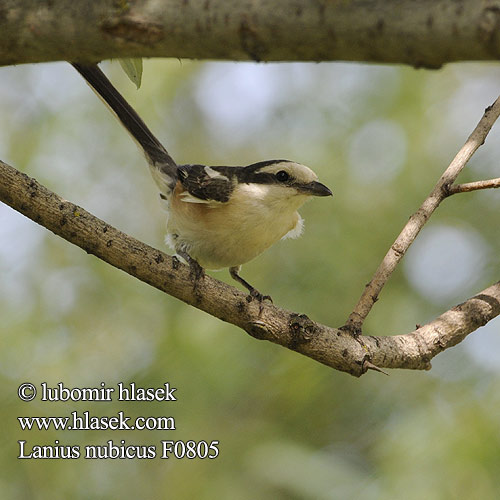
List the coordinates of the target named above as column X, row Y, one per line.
column 294, row 177
column 281, row 182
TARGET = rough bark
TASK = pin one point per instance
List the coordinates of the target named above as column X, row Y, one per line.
column 427, row 33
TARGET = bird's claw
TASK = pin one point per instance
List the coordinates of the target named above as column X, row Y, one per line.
column 259, row 297
column 196, row 270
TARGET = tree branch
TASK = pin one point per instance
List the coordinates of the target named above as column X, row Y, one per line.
column 449, row 329
column 329, row 346
column 467, row 187
column 429, row 34
column 441, row 190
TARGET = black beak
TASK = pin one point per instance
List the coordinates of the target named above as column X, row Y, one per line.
column 315, row 189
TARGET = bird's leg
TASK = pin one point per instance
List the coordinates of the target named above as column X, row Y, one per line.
column 253, row 292
column 196, row 269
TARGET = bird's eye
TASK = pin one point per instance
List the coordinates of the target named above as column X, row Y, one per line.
column 282, row 176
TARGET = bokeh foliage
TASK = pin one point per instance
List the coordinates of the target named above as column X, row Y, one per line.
column 289, row 428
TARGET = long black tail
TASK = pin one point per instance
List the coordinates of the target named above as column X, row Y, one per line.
column 153, row 149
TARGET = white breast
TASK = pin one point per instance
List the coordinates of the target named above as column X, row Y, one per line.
column 229, row 234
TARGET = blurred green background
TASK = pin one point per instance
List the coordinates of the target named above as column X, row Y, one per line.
column 288, row 427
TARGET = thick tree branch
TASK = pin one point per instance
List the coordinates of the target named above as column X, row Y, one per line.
column 429, row 33
column 441, row 190
column 329, row 346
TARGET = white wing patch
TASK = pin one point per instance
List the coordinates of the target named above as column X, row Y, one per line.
column 213, row 174
column 187, row 197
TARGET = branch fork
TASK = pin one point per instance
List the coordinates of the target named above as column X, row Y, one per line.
column 444, row 188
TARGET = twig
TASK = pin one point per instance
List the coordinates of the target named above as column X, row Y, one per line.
column 474, row 186
column 419, row 218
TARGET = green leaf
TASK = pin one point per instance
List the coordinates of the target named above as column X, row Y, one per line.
column 133, row 69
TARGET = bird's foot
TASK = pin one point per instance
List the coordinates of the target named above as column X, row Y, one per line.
column 195, row 270
column 253, row 293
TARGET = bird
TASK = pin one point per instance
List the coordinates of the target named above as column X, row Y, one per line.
column 217, row 216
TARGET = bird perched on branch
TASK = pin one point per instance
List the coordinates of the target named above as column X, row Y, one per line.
column 217, row 216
